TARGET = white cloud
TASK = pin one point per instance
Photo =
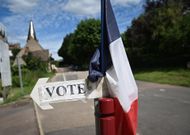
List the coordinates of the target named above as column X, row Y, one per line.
column 21, row 6
column 92, row 7
column 125, row 2
column 53, row 19
column 83, row 7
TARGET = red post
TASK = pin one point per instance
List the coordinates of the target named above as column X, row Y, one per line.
column 105, row 119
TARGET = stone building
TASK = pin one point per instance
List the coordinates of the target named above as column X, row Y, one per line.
column 14, row 46
column 3, row 36
column 32, row 46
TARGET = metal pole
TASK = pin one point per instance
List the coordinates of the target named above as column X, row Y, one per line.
column 20, row 74
column 4, row 92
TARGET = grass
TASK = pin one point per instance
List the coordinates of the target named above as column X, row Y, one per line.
column 15, row 93
column 171, row 76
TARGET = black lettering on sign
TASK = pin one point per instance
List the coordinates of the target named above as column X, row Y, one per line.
column 50, row 91
column 71, row 88
column 61, row 90
column 81, row 88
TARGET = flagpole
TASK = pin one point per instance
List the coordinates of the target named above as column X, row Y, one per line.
column 113, row 63
column 102, row 35
column 104, row 107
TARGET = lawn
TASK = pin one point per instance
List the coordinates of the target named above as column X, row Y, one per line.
column 29, row 80
column 173, row 76
column 16, row 93
column 180, row 77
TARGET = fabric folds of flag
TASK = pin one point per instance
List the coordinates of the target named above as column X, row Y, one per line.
column 110, row 60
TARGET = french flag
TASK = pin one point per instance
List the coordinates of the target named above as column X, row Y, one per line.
column 110, row 61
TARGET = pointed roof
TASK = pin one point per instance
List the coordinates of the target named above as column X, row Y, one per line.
column 31, row 32
column 32, row 46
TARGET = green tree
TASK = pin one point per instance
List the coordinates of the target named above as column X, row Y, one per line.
column 66, row 49
column 159, row 36
column 15, row 51
column 78, row 47
column 35, row 63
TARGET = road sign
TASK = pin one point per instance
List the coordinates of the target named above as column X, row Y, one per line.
column 45, row 92
column 5, row 64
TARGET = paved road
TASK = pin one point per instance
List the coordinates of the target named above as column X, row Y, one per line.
column 163, row 110
column 69, row 118
column 18, row 119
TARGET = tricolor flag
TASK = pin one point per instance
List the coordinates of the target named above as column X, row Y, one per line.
column 110, row 60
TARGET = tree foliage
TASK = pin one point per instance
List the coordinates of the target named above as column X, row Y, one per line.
column 15, row 51
column 34, row 63
column 160, row 36
column 78, row 47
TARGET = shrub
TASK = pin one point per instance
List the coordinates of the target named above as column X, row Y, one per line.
column 15, row 81
column 34, row 63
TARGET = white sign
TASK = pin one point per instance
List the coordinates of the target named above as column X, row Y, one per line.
column 5, row 64
column 44, row 93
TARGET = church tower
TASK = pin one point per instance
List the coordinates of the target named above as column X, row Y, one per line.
column 32, row 46
column 31, row 32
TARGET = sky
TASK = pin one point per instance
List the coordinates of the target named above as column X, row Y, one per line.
column 53, row 19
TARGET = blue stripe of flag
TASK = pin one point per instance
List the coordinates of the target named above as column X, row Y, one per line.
column 101, row 60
